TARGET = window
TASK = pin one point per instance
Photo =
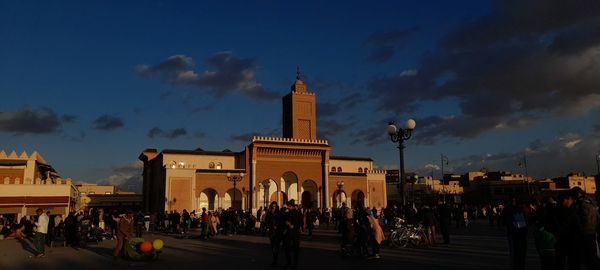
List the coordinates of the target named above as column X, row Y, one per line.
column 173, row 164
column 333, row 169
column 107, row 193
column 211, row 165
column 579, row 183
column 82, row 193
column 365, row 170
column 92, row 193
column 360, row 170
column 339, row 169
column 219, row 166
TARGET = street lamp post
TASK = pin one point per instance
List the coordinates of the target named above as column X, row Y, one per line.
column 234, row 179
column 598, row 164
column 400, row 135
column 444, row 160
column 598, row 176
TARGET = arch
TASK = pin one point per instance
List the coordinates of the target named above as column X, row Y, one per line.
column 289, row 185
column 333, row 169
column 232, row 199
column 339, row 169
column 360, row 170
column 219, row 165
column 208, row 199
column 267, row 192
column 339, row 197
column 309, row 194
column 358, row 199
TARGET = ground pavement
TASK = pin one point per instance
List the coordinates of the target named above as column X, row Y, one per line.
column 478, row 247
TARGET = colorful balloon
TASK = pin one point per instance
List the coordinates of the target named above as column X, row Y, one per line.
column 158, row 244
column 146, row 247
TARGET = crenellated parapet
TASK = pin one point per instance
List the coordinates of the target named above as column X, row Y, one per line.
column 23, row 156
column 288, row 140
column 375, row 171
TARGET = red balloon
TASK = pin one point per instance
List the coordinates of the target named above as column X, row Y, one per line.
column 146, row 246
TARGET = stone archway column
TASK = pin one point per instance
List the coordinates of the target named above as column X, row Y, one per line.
column 299, row 192
column 328, row 201
column 253, row 188
column 279, row 195
column 319, row 198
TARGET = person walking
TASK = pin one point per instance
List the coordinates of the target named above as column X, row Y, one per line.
column 124, row 231
column 517, row 234
column 568, row 236
column 444, row 217
column 587, row 212
column 275, row 226
column 41, row 232
column 293, row 224
column 377, row 236
column 429, row 224
column 309, row 220
column 204, row 224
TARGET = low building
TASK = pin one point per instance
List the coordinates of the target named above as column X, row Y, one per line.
column 108, row 198
column 28, row 182
column 586, row 183
column 498, row 187
column 92, row 189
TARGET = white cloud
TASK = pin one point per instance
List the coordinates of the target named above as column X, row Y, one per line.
column 432, row 166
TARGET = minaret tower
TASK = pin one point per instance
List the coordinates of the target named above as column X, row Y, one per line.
column 299, row 112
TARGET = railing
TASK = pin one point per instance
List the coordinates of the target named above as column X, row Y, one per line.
column 287, row 140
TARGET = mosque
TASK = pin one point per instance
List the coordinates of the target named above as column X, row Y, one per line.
column 296, row 166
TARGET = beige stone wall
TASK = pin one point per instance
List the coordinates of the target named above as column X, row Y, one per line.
column 377, row 194
column 14, row 190
column 96, row 189
column 198, row 161
column 586, row 183
column 11, row 174
column 352, row 183
column 350, row 165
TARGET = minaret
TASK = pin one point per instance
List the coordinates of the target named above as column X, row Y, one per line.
column 299, row 112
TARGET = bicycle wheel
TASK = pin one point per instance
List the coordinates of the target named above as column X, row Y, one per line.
column 392, row 239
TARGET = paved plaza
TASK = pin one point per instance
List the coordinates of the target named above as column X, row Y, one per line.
column 478, row 247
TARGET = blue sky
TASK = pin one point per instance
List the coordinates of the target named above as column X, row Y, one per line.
column 91, row 84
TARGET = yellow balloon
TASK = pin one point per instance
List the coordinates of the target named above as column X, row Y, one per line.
column 158, row 244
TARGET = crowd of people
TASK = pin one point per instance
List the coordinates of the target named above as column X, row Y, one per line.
column 565, row 229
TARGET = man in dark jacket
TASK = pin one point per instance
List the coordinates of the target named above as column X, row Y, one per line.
column 516, row 228
column 587, row 212
column 444, row 217
column 275, row 226
column 568, row 234
column 293, row 223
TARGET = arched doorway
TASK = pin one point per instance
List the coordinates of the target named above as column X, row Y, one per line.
column 358, row 199
column 289, row 185
column 208, row 199
column 267, row 192
column 232, row 199
column 309, row 194
column 339, row 197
